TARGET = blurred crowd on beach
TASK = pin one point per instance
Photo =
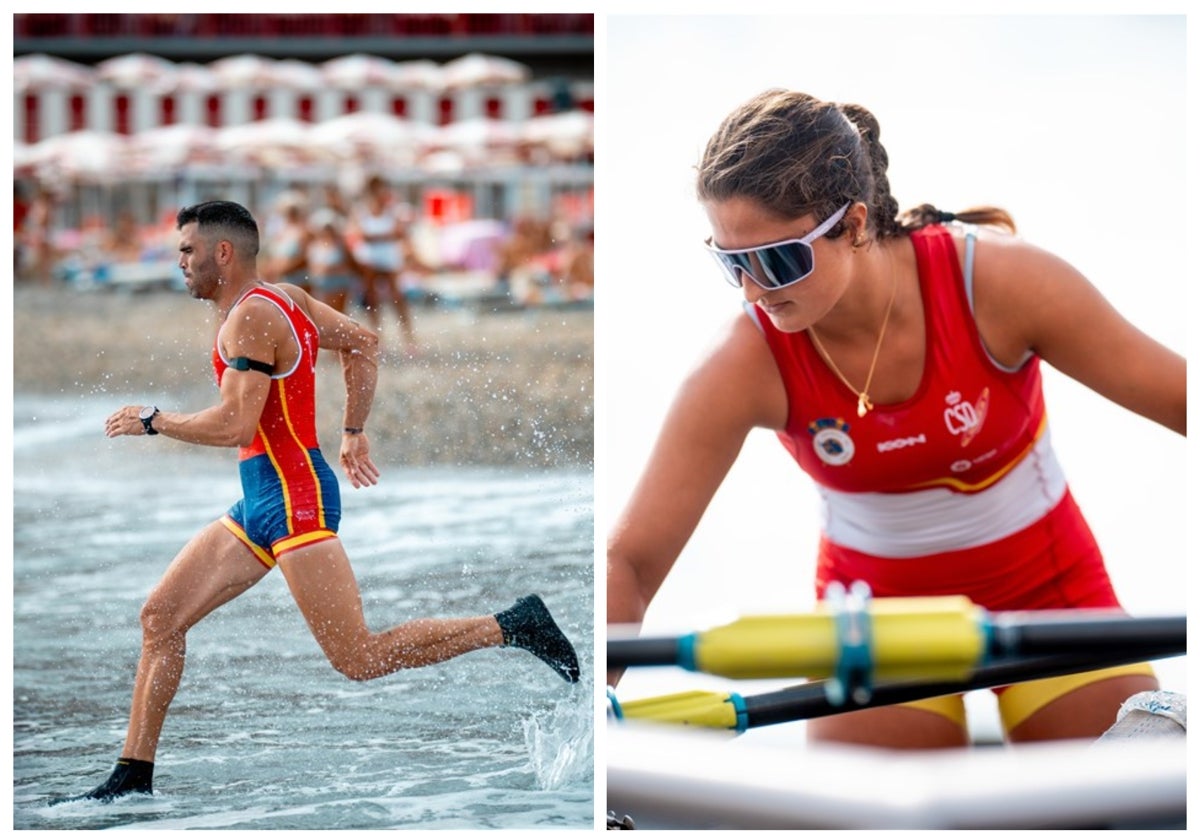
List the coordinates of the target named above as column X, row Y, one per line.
column 366, row 248
column 379, row 183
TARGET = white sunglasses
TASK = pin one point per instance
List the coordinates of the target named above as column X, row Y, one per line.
column 776, row 265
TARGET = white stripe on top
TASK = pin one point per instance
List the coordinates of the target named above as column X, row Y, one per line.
column 931, row 521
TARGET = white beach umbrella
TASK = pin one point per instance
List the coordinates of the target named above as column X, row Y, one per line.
column 564, row 135
column 273, row 139
column 298, row 75
column 370, row 128
column 23, row 157
column 40, row 72
column 480, row 141
column 444, row 162
column 244, row 71
column 419, row 74
column 357, row 71
column 475, row 69
column 94, row 156
column 189, row 76
column 366, row 136
column 478, row 133
column 170, row 147
column 136, row 70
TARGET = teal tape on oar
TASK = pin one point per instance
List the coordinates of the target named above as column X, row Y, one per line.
column 686, row 654
column 988, row 631
column 743, row 715
column 614, row 705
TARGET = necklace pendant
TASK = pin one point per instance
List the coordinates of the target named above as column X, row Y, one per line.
column 864, row 405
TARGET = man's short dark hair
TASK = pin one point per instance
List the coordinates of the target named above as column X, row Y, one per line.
column 223, row 220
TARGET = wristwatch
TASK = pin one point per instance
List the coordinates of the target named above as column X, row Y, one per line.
column 147, row 416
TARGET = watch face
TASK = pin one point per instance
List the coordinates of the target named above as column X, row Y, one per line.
column 148, row 412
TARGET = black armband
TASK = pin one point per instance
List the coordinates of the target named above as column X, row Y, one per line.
column 246, row 363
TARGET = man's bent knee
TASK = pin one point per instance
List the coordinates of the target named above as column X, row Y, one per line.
column 354, row 667
column 160, row 621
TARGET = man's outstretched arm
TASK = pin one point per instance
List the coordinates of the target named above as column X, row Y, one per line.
column 234, row 419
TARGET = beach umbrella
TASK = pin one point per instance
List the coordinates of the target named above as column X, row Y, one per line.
column 282, row 139
column 444, row 162
column 244, row 71
column 278, row 131
column 95, row 156
column 368, row 135
column 188, row 76
column 419, row 74
column 478, row 133
column 479, row 141
column 371, row 128
column 566, row 135
column 298, row 75
column 357, row 71
column 170, row 147
column 476, row 69
column 41, row 72
column 136, row 70
column 23, row 157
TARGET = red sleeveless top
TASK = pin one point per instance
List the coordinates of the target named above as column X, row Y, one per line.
column 287, row 428
column 967, row 425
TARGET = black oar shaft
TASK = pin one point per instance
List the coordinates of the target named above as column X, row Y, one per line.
column 1063, row 632
column 625, row 653
column 809, row 700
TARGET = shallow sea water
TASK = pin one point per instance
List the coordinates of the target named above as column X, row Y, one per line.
column 264, row 733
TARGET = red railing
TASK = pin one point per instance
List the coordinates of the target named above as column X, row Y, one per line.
column 97, row 25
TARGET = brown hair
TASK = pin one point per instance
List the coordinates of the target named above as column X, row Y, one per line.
column 795, row 154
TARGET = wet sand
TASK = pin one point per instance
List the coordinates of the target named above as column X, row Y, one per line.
column 487, row 388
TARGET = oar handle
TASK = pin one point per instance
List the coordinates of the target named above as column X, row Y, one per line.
column 810, row 700
column 648, row 651
column 1081, row 630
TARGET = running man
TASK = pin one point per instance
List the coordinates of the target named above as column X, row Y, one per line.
column 264, row 358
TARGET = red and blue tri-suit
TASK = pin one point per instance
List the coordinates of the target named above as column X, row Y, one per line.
column 290, row 493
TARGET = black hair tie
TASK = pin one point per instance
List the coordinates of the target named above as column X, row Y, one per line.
column 943, row 217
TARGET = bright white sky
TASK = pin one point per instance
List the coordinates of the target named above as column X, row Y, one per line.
column 1074, row 124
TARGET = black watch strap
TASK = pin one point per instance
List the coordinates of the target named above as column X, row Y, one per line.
column 148, row 420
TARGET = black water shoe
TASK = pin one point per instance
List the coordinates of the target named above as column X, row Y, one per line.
column 528, row 624
column 129, row 776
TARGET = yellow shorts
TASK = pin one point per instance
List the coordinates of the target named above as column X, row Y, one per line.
column 1019, row 701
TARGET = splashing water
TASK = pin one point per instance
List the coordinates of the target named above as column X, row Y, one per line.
column 264, row 734
column 560, row 742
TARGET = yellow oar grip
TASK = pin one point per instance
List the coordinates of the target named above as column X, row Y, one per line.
column 930, row 638
column 698, row 708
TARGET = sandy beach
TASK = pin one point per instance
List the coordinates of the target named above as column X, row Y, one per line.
column 507, row 388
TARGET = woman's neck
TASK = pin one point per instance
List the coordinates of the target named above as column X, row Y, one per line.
column 879, row 269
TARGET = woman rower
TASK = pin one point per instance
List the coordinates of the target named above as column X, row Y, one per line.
column 897, row 356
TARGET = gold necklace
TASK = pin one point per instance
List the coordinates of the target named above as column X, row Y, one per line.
column 864, row 401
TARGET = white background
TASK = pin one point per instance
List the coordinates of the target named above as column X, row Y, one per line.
column 1074, row 124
